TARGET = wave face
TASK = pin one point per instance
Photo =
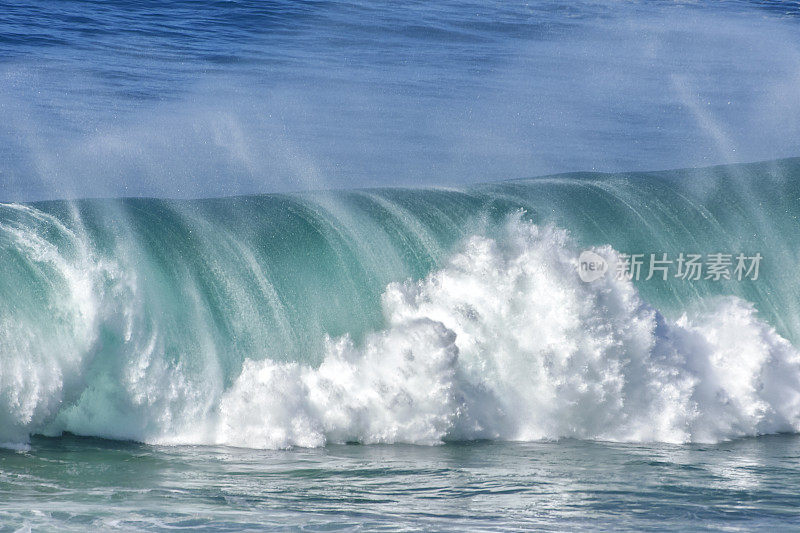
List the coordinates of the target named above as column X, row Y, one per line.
column 396, row 315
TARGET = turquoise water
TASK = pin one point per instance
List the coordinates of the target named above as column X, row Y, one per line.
column 164, row 321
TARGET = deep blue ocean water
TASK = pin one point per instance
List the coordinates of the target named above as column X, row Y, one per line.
column 314, row 265
column 198, row 98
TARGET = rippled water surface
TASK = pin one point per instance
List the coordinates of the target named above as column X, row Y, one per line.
column 71, row 483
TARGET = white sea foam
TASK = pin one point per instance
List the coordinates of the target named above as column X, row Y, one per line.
column 40, row 365
column 506, row 342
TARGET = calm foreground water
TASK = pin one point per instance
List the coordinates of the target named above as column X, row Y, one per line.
column 71, row 484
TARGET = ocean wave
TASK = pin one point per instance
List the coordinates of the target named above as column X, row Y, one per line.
column 503, row 341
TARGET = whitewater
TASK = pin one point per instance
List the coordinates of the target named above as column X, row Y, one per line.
column 401, row 315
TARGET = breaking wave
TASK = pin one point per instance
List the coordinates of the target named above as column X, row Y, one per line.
column 506, row 342
column 384, row 317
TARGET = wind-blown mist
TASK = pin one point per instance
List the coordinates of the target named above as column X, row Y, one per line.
column 208, row 99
